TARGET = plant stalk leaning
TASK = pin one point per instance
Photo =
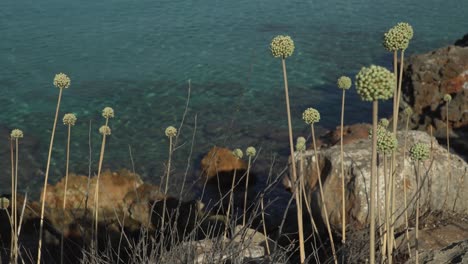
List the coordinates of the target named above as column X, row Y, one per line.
column 372, row 84
column 283, row 47
column 170, row 132
column 69, row 120
column 61, row 81
column 15, row 135
column 312, row 116
column 419, row 152
column 105, row 131
column 344, row 83
column 250, row 151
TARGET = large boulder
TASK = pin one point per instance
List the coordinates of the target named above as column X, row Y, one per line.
column 357, row 166
column 113, row 187
column 427, row 78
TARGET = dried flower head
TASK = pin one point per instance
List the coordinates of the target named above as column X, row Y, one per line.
column 384, row 122
column 311, row 116
column 386, row 142
column 344, row 82
column 301, row 144
column 380, row 131
column 69, row 119
column 282, row 46
column 105, row 130
column 408, row 111
column 250, row 151
column 16, row 133
column 447, row 98
column 375, row 83
column 398, row 37
column 238, row 153
column 4, row 203
column 108, row 112
column 61, row 81
column 171, row 131
column 419, row 151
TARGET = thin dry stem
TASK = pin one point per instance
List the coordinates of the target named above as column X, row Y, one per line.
column 293, row 160
column 322, row 196
column 375, row 110
column 41, row 227
column 246, row 189
column 343, row 204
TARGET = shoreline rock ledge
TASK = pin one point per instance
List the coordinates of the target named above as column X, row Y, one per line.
column 357, row 166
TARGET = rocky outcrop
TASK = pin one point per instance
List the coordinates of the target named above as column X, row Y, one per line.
column 351, row 133
column 357, row 165
column 427, row 78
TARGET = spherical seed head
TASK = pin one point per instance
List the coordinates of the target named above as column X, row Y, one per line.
column 311, row 116
column 105, row 130
column 238, row 153
column 344, row 82
column 406, row 28
column 380, row 131
column 301, row 144
column 69, row 119
column 386, row 142
column 16, row 133
column 375, row 83
column 108, row 112
column 408, row 111
column 171, row 131
column 250, row 151
column 398, row 37
column 447, row 98
column 384, row 122
column 282, row 46
column 419, row 151
column 4, row 203
column 61, row 81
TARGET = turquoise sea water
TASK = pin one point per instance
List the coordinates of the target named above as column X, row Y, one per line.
column 138, row 55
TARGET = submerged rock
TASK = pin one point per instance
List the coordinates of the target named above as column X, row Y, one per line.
column 219, row 165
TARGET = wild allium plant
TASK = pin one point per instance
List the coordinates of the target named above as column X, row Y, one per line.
column 15, row 135
column 397, row 39
column 283, row 47
column 312, row 116
column 374, row 83
column 418, row 153
column 250, row 152
column 344, row 83
column 386, row 144
column 61, row 81
column 170, row 132
column 238, row 154
column 69, row 120
column 105, row 131
column 447, row 99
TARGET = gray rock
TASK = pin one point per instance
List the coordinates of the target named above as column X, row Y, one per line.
column 456, row 253
column 357, row 166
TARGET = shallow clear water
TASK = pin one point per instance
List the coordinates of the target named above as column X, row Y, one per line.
column 138, row 55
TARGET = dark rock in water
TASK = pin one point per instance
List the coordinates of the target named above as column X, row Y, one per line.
column 463, row 42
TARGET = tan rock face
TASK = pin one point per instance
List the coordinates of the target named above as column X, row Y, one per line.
column 139, row 201
column 113, row 187
column 220, row 160
column 351, row 133
column 357, row 166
